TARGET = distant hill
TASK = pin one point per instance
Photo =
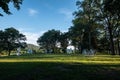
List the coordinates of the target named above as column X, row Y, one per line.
column 32, row 46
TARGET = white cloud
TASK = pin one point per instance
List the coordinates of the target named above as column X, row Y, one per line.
column 64, row 31
column 32, row 37
column 32, row 12
column 66, row 12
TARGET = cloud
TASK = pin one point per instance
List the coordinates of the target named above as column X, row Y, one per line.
column 32, row 12
column 32, row 37
column 64, row 31
column 66, row 12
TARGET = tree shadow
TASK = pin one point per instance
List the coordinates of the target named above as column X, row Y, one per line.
column 58, row 71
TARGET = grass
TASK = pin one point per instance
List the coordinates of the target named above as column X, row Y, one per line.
column 60, row 67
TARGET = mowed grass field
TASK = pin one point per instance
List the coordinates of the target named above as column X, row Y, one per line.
column 60, row 67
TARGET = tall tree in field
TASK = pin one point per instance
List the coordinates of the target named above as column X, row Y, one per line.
column 1, row 41
column 113, row 8
column 95, row 12
column 49, row 40
column 86, row 19
column 77, row 32
column 12, row 39
column 80, row 34
column 4, row 5
column 109, row 20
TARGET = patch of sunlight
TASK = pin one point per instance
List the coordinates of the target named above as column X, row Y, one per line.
column 61, row 61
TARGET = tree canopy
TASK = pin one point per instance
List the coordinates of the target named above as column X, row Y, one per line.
column 96, row 25
column 113, row 6
column 4, row 5
column 11, row 39
column 49, row 40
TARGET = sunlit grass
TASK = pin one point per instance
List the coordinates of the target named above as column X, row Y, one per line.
column 59, row 67
column 97, row 59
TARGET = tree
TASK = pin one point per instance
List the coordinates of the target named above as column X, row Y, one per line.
column 63, row 39
column 49, row 40
column 80, row 34
column 103, row 42
column 98, row 11
column 76, row 33
column 1, row 41
column 11, row 39
column 109, row 20
column 4, row 5
column 85, row 24
column 113, row 8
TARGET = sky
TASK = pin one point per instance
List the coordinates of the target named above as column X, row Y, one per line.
column 38, row 16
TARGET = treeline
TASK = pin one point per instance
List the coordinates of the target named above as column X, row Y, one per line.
column 11, row 39
column 96, row 26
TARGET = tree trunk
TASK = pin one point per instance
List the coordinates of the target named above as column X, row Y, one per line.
column 118, row 43
column 9, row 51
column 75, row 49
column 111, row 41
column 64, row 50
column 118, row 47
column 90, row 40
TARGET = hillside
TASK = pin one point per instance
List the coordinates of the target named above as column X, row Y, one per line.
column 32, row 46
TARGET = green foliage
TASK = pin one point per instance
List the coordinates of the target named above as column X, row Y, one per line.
column 1, row 40
column 85, row 29
column 11, row 39
column 93, row 17
column 49, row 40
column 113, row 6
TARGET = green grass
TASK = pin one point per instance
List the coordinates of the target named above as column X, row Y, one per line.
column 60, row 67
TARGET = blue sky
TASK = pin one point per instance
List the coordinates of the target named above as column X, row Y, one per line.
column 38, row 16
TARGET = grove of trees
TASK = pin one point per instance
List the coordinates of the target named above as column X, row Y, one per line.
column 96, row 25
column 11, row 39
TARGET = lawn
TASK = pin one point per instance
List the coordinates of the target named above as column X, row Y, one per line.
column 60, row 67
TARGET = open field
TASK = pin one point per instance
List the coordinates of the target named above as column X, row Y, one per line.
column 60, row 67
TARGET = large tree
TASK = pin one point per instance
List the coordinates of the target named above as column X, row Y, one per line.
column 1, row 40
column 80, row 34
column 100, row 12
column 4, row 5
column 49, row 40
column 85, row 23
column 113, row 8
column 76, row 33
column 11, row 39
column 109, row 19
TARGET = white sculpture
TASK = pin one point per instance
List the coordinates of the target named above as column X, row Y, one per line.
column 18, row 51
column 29, row 51
column 88, row 52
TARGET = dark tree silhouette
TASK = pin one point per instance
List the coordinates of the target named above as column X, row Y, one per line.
column 11, row 39
column 4, row 5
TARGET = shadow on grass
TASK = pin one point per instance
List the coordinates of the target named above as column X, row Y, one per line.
column 58, row 71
